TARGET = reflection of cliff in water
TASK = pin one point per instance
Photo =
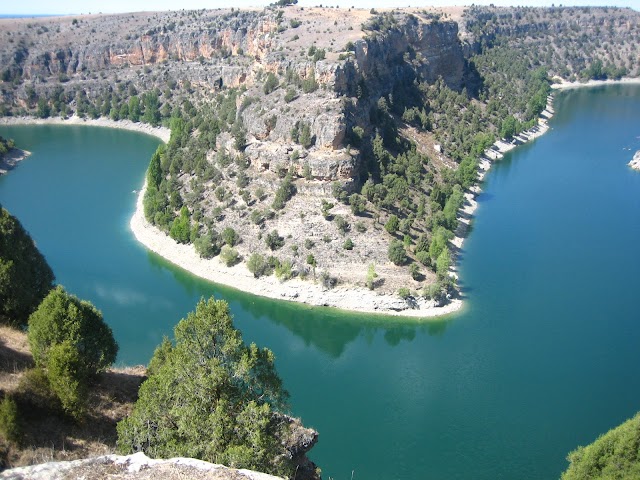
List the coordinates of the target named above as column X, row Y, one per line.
column 331, row 331
column 326, row 329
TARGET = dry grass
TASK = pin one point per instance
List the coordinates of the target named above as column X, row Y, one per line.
column 47, row 434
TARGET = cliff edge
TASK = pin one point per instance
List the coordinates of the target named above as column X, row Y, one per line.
column 132, row 467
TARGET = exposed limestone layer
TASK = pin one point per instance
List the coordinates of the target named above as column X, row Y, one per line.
column 132, row 467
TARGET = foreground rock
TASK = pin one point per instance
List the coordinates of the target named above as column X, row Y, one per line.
column 137, row 466
column 635, row 161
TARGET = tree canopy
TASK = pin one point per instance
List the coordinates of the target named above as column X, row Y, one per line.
column 614, row 455
column 62, row 317
column 25, row 275
column 70, row 343
column 210, row 396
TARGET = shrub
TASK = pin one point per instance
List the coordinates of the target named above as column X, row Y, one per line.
column 207, row 246
column 274, row 241
column 257, row 265
column 229, row 256
column 230, row 236
column 9, row 420
column 414, row 271
column 283, row 270
column 290, row 95
column 404, row 293
column 348, row 244
column 424, row 258
column 309, row 84
column 342, row 224
column 328, row 281
column 361, row 227
column 371, row 276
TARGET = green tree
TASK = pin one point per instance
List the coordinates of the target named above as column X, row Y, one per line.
column 181, row 227
column 61, row 318
column 509, row 127
column 257, row 265
column 274, row 241
column 285, row 191
column 211, row 397
column 357, row 203
column 25, row 276
column 151, row 108
column 9, row 420
column 270, row 84
column 134, row 109
column 230, row 236
column 443, row 263
column 154, row 172
column 397, row 253
column 68, row 377
column 613, row 455
column 392, row 224
column 305, row 138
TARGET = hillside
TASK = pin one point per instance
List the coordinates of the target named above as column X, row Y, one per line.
column 332, row 145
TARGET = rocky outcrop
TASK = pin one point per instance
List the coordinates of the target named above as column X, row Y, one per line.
column 132, row 467
column 635, row 161
column 425, row 50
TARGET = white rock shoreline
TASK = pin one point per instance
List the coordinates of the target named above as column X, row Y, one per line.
column 350, row 298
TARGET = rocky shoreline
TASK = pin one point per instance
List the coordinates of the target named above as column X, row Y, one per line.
column 11, row 159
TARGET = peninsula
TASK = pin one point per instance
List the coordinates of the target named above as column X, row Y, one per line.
column 323, row 155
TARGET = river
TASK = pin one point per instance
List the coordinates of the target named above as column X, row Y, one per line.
column 543, row 357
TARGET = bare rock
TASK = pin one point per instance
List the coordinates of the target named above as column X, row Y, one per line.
column 132, row 467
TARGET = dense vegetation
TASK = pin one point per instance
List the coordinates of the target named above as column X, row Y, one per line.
column 25, row 276
column 210, row 396
column 614, row 455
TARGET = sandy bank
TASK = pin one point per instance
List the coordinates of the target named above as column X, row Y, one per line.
column 159, row 132
column 352, row 298
column 11, row 159
column 564, row 85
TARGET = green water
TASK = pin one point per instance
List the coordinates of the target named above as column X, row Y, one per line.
column 543, row 358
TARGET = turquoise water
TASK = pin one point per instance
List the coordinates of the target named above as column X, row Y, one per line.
column 543, row 357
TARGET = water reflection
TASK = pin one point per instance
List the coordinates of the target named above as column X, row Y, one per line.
column 328, row 330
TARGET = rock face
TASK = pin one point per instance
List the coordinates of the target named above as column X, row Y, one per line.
column 413, row 48
column 132, row 467
column 635, row 161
